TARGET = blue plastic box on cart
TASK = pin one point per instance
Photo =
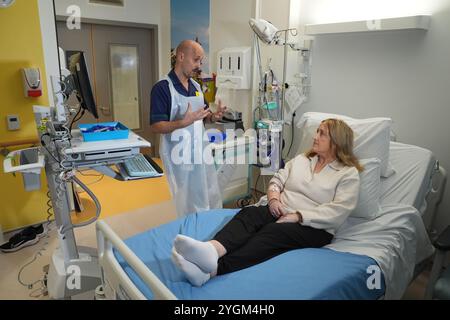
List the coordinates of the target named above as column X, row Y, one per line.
column 103, row 131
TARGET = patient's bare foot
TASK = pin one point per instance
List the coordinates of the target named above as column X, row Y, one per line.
column 193, row 273
column 203, row 254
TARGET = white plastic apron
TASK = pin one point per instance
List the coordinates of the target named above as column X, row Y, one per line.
column 194, row 186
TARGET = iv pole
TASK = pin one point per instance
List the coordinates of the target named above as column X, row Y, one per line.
column 294, row 33
column 269, row 35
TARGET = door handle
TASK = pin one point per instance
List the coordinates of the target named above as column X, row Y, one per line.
column 105, row 111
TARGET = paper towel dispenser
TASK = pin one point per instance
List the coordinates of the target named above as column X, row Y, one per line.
column 233, row 68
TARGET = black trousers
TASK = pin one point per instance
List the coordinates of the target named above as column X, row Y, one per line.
column 253, row 236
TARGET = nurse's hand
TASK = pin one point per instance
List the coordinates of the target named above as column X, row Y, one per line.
column 221, row 109
column 289, row 218
column 190, row 117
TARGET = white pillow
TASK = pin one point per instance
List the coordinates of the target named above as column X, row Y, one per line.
column 368, row 206
column 372, row 136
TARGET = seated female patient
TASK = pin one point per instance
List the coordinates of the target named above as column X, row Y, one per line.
column 306, row 203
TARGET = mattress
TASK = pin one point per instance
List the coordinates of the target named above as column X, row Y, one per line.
column 411, row 182
column 300, row 274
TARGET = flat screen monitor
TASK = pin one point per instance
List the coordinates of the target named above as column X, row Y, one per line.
column 78, row 69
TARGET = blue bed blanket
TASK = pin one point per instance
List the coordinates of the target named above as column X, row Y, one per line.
column 295, row 275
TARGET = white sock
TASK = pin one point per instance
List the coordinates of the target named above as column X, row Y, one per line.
column 193, row 273
column 203, row 254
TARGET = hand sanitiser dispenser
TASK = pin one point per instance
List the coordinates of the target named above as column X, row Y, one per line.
column 32, row 83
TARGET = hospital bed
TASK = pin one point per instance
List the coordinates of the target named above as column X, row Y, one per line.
column 367, row 259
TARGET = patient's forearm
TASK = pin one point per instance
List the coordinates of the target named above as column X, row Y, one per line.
column 273, row 192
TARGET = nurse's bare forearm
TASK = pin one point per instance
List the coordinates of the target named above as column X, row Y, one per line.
column 164, row 127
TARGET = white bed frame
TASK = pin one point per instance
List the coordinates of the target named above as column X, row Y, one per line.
column 434, row 198
column 116, row 283
column 118, row 286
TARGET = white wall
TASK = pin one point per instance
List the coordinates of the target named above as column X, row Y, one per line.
column 140, row 11
column 327, row 11
column 404, row 75
column 229, row 28
column 137, row 11
column 165, row 38
column 277, row 12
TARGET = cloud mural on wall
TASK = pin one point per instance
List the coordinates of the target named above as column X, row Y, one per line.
column 190, row 20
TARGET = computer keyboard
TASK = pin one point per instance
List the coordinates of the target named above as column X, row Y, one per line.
column 139, row 167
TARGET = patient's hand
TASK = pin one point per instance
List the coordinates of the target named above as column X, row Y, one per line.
column 276, row 208
column 289, row 218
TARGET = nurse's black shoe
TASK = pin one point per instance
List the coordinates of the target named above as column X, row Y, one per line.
column 39, row 230
column 26, row 237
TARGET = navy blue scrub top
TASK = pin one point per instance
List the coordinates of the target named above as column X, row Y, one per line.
column 161, row 100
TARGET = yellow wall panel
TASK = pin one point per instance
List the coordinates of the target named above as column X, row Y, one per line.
column 20, row 47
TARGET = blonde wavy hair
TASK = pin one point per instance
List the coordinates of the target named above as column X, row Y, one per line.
column 342, row 138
